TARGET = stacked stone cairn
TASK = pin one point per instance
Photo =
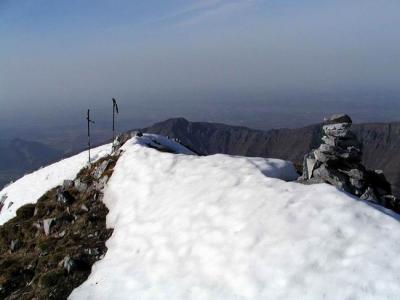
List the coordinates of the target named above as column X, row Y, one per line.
column 337, row 161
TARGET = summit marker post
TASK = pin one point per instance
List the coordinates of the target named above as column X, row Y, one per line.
column 88, row 130
column 115, row 110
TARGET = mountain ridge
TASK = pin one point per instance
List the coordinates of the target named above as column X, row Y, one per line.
column 381, row 142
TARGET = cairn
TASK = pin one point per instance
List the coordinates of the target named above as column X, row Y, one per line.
column 337, row 161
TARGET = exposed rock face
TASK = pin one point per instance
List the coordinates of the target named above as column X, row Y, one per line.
column 48, row 249
column 337, row 161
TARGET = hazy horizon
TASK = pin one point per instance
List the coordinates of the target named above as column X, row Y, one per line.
column 197, row 59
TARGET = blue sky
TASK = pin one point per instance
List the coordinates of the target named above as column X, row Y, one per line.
column 74, row 52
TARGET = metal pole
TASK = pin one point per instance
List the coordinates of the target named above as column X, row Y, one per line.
column 113, row 122
column 88, row 130
column 115, row 110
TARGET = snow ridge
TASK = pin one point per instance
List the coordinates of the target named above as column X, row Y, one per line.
column 220, row 227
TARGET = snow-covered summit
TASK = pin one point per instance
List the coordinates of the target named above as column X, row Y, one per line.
column 224, row 227
column 227, row 227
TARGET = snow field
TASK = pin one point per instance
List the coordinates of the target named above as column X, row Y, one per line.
column 221, row 227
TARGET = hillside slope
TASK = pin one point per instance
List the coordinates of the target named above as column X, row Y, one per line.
column 381, row 142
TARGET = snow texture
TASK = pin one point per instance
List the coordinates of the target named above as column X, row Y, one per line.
column 221, row 227
column 31, row 187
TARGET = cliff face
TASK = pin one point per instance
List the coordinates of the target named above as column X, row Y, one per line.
column 381, row 150
column 381, row 142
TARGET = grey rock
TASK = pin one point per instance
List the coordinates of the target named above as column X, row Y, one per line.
column 324, row 157
column 68, row 264
column 355, row 174
column 10, row 204
column 328, row 148
column 343, row 142
column 67, row 184
column 47, row 223
column 65, row 197
column 3, row 198
column 2, row 201
column 91, row 251
column 358, row 184
column 351, row 154
column 121, row 140
column 332, row 176
column 100, row 169
column 14, row 245
column 80, row 186
column 36, row 225
column 369, row 195
column 310, row 165
column 338, row 118
column 101, row 183
column 61, row 234
column 84, row 208
column 337, row 130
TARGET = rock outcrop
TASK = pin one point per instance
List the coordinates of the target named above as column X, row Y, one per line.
column 48, row 249
column 337, row 161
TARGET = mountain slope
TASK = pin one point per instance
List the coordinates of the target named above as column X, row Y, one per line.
column 381, row 142
column 222, row 227
column 216, row 227
column 30, row 187
column 18, row 157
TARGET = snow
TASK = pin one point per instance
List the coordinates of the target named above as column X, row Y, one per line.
column 31, row 187
column 222, row 227
column 155, row 140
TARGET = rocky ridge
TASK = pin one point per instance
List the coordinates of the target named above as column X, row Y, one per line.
column 48, row 249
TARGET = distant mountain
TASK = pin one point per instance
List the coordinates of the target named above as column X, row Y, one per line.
column 381, row 142
column 18, row 157
column 381, row 145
